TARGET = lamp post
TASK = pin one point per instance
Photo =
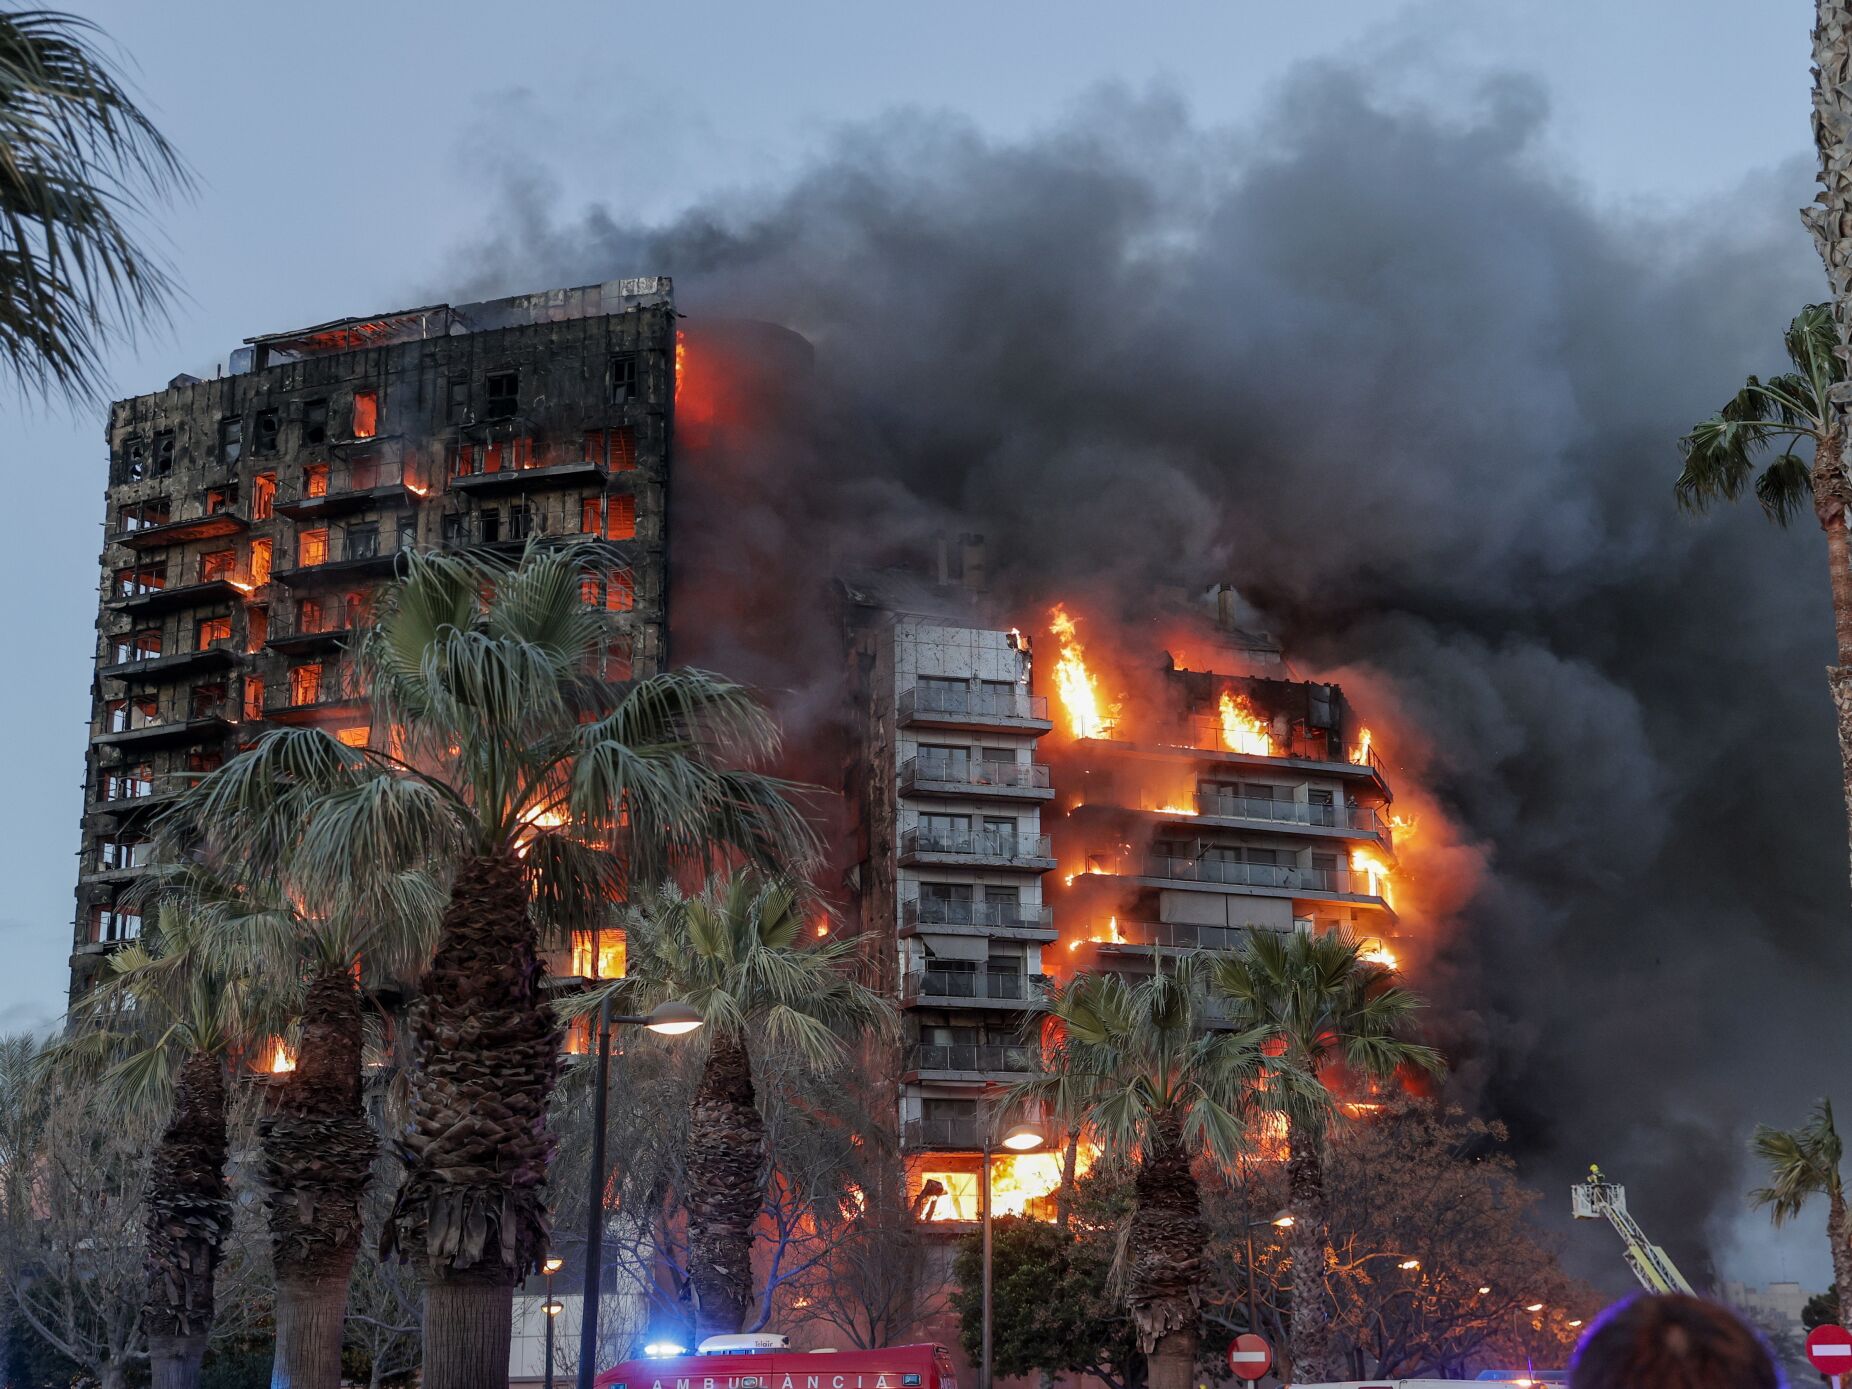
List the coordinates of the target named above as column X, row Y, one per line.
column 1282, row 1220
column 551, row 1309
column 669, row 1020
column 1022, row 1138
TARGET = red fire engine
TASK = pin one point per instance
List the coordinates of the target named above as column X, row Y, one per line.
column 767, row 1362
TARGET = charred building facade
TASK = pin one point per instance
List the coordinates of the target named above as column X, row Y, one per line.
column 249, row 519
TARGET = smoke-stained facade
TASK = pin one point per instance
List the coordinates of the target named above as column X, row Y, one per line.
column 249, row 519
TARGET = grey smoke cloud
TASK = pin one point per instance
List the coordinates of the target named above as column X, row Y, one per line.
column 1397, row 379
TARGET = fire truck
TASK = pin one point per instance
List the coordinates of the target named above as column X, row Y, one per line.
column 766, row 1361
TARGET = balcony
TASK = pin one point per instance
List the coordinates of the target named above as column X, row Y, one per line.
column 927, row 913
column 1312, row 752
column 310, row 631
column 493, row 530
column 974, row 1059
column 217, row 655
column 1002, row 781
column 960, row 1135
column 166, row 734
column 978, row 709
column 1349, row 822
column 347, row 486
column 1273, row 878
column 221, row 588
column 580, row 472
column 358, row 552
column 976, row 849
column 337, row 691
column 982, row 988
column 1113, row 934
column 206, row 526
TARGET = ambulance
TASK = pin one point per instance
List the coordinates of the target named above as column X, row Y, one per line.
column 766, row 1361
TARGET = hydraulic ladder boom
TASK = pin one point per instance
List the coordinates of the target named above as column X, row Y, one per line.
column 1599, row 1199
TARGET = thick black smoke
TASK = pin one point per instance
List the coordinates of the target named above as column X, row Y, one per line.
column 1420, row 401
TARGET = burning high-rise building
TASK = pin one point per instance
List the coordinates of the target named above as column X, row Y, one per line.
column 1031, row 810
column 250, row 517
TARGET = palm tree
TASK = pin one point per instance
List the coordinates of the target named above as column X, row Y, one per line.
column 318, row 1142
column 1762, row 425
column 78, row 161
column 161, row 1030
column 1803, row 1163
column 1320, row 1007
column 541, row 790
column 1133, row 1065
column 740, row 955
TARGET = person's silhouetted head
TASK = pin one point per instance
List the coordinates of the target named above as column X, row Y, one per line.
column 1672, row 1342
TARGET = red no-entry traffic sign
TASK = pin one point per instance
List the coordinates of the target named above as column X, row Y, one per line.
column 1250, row 1356
column 1829, row 1350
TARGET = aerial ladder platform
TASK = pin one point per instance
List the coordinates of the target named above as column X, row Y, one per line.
column 1600, row 1199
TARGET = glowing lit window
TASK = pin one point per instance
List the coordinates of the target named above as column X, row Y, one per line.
column 355, row 737
column 588, row 521
column 133, row 582
column 607, row 963
column 366, row 414
column 256, row 628
column 623, row 450
column 315, row 480
column 492, row 457
column 620, row 518
column 217, row 566
column 305, row 683
column 312, row 547
column 211, row 629
column 263, row 496
column 959, row 1200
column 620, row 594
column 261, row 552
column 219, row 499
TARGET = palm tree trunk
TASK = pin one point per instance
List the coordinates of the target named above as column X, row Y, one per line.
column 1064, row 1194
column 189, row 1212
column 1830, row 221
column 1831, row 493
column 1305, row 1184
column 726, row 1164
column 1164, row 1251
column 318, row 1158
column 1838, row 1232
column 472, row 1208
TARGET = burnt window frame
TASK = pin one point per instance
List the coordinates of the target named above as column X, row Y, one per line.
column 626, row 383
column 267, row 438
column 314, row 427
column 231, row 440
column 163, row 453
column 497, row 403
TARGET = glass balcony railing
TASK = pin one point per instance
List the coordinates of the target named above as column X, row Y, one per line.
column 961, row 911
column 1006, row 1057
column 978, row 775
column 981, row 701
column 976, row 844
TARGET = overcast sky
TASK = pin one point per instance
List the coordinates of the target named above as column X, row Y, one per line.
column 352, row 154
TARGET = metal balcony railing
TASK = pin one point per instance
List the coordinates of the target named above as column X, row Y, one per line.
column 1265, row 875
column 335, row 683
column 976, row 844
column 1167, row 935
column 944, row 1133
column 1348, row 817
column 344, row 478
column 956, row 911
column 973, row 702
column 979, row 774
column 1004, row 986
column 1005, row 1057
column 1207, row 735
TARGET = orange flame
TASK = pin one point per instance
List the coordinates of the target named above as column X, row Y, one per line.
column 281, row 1062
column 1363, row 747
column 1377, row 953
column 1020, row 1184
column 1373, row 869
column 1079, row 691
column 1242, row 729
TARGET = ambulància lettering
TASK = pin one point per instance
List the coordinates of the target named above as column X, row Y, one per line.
column 880, row 1380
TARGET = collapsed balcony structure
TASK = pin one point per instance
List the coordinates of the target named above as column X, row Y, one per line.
column 250, row 519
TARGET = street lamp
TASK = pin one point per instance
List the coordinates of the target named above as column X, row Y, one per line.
column 551, row 1308
column 1281, row 1220
column 1021, row 1138
column 667, row 1020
